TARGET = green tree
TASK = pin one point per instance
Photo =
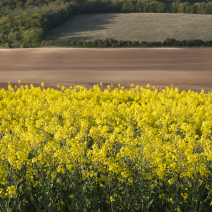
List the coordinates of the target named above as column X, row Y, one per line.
column 11, row 37
column 160, row 7
column 139, row 7
column 208, row 9
column 115, row 6
column 180, row 8
column 151, row 7
column 175, row 5
column 124, row 8
column 33, row 36
column 192, row 9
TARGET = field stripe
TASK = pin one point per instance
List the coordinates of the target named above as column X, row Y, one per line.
column 170, row 64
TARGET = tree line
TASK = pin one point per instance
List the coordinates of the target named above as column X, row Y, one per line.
column 21, row 4
column 27, row 27
column 111, row 6
column 113, row 43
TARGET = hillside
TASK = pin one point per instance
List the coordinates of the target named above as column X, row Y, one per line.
column 134, row 27
column 25, row 23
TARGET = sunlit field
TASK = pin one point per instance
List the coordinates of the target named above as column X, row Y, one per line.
column 134, row 27
column 101, row 150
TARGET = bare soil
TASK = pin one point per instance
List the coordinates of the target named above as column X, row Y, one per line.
column 186, row 68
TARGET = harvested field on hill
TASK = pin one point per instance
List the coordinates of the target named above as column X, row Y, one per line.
column 134, row 27
column 184, row 68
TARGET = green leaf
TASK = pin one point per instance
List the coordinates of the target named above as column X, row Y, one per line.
column 35, row 204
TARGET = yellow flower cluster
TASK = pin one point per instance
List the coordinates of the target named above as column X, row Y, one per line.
column 167, row 132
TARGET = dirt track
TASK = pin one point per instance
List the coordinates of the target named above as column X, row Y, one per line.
column 184, row 68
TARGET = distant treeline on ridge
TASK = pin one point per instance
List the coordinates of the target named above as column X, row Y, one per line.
column 24, row 23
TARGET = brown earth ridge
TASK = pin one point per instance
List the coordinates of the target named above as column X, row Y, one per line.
column 185, row 68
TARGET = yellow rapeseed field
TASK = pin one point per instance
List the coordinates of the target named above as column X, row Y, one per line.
column 95, row 150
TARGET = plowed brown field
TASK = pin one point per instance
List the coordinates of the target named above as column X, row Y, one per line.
column 186, row 68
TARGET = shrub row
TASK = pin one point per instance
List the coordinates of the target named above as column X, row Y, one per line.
column 112, row 43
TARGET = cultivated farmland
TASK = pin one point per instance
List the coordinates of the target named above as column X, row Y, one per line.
column 184, row 68
column 134, row 27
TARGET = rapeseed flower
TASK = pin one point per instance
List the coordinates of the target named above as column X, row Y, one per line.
column 105, row 137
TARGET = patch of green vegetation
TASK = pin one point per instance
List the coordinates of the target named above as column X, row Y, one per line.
column 136, row 28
